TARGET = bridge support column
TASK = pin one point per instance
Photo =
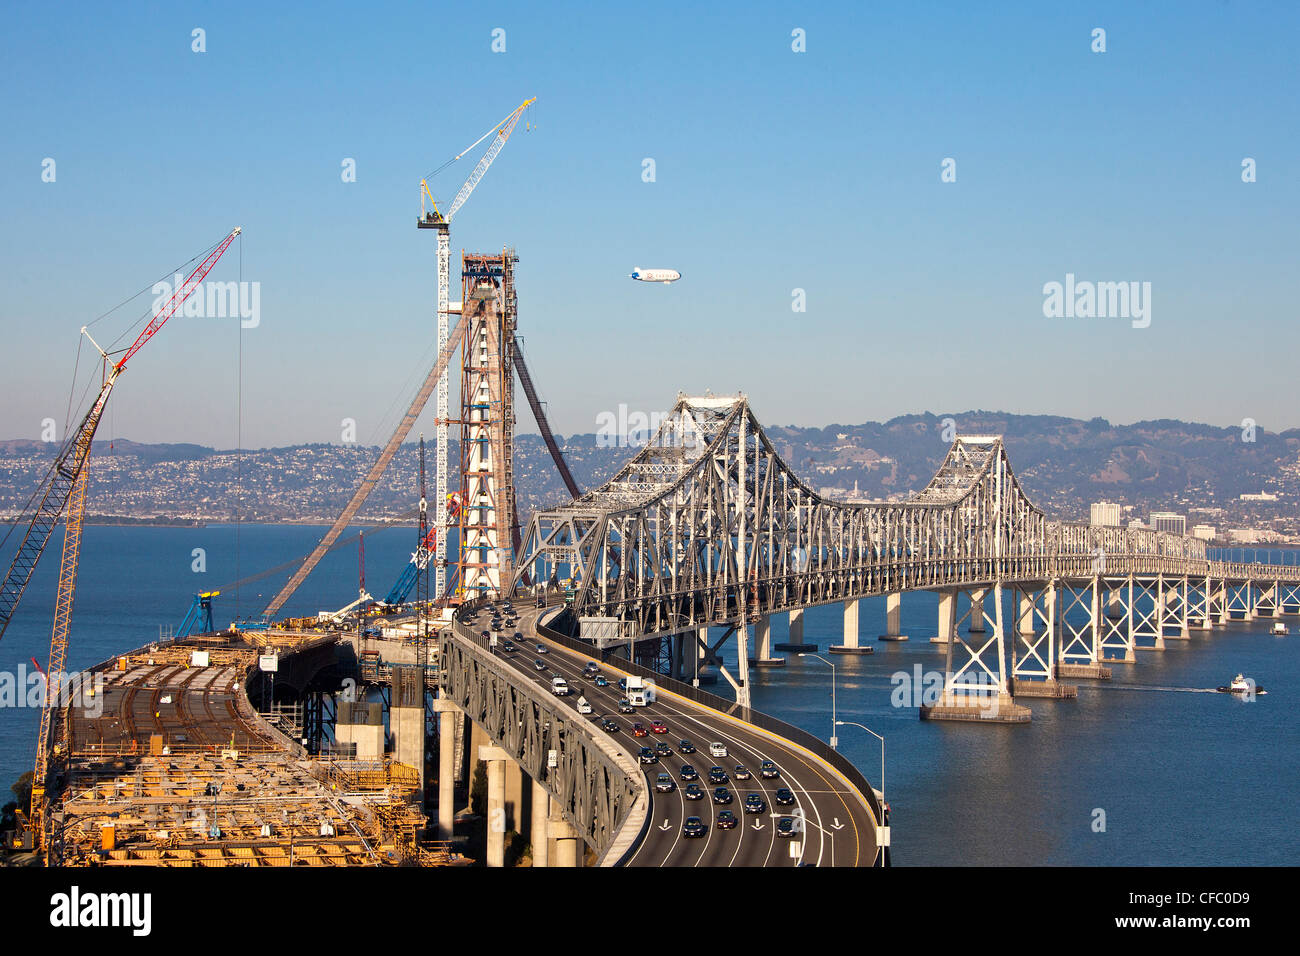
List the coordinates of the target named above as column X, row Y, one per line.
column 539, row 829
column 851, row 645
column 763, row 644
column 568, row 844
column 796, row 643
column 1176, row 610
column 975, row 691
column 406, row 717
column 1219, row 602
column 1080, row 643
column 447, row 753
column 977, row 611
column 893, row 617
column 495, row 758
column 947, row 617
column 1116, row 622
column 1034, row 657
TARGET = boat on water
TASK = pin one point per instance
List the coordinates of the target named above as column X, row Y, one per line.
column 1280, row 628
column 1242, row 685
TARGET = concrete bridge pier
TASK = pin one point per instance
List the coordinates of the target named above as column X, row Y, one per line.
column 893, row 617
column 851, row 644
column 796, row 642
column 539, row 828
column 978, row 690
column 496, row 759
column 568, row 842
column 448, row 750
column 947, row 618
column 763, row 644
column 406, row 718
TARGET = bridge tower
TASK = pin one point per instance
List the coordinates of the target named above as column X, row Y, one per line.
column 489, row 310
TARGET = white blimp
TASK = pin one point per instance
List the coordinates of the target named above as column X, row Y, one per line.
column 655, row 275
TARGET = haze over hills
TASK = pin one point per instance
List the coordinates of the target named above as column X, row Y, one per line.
column 1064, row 464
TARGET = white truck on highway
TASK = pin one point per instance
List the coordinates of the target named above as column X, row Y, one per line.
column 560, row 687
column 640, row 691
column 584, row 705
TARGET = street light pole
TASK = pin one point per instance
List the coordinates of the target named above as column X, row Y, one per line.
column 834, row 723
column 841, row 723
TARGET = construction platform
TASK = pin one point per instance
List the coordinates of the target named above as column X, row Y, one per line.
column 172, row 766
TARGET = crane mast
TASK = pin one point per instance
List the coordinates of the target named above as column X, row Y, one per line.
column 64, row 496
column 431, row 218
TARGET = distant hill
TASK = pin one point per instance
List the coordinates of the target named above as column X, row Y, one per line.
column 1064, row 464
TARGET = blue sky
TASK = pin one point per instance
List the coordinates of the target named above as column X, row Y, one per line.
column 775, row 170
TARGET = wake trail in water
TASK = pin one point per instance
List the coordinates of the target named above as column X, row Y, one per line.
column 1169, row 690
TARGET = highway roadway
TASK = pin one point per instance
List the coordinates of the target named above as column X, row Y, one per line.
column 838, row 829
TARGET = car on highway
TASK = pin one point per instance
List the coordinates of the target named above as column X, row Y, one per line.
column 560, row 687
column 625, row 707
column 721, row 795
column 662, row 749
column 726, row 820
column 717, row 775
column 785, row 828
column 755, row 804
column 692, row 791
column 590, row 671
column 584, row 705
column 685, row 747
column 717, row 749
column 647, row 756
column 689, row 773
column 622, row 683
column 508, row 646
column 601, row 681
column 694, row 828
column 609, row 726
column 741, row 773
column 664, row 784
column 541, row 648
column 638, row 730
column 518, row 636
column 540, row 665
column 768, row 770
column 658, row 727
column 783, row 797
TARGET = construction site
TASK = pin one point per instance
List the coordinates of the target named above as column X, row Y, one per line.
column 303, row 741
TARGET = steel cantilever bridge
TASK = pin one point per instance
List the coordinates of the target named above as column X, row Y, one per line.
column 706, row 526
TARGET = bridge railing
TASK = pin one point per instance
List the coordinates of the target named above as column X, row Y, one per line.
column 767, row 722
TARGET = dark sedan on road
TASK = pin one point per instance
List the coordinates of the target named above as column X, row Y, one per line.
column 755, row 804
column 726, row 820
column 662, row 749
column 685, row 746
column 508, row 646
column 647, row 756
column 783, row 797
column 694, row 828
column 664, row 784
column 625, row 707
column 742, row 773
column 692, row 791
column 541, row 648
column 717, row 775
column 609, row 726
column 785, row 828
column 689, row 773
column 768, row 770
column 721, row 795
column 540, row 665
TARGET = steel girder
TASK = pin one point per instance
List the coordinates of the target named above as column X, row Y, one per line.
column 590, row 789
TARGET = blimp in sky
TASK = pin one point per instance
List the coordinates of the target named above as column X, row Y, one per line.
column 655, row 275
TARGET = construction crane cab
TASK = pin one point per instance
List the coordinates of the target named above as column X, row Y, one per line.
column 430, row 217
column 198, row 620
